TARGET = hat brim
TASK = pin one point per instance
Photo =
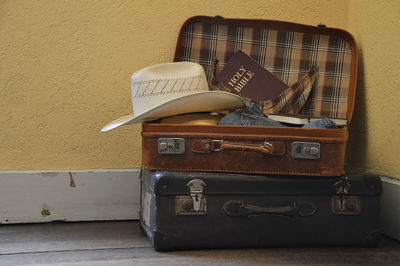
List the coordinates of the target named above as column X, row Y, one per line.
column 208, row 101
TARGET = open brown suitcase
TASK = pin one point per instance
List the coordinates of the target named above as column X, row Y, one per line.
column 288, row 50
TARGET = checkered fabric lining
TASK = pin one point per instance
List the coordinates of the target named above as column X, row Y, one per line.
column 288, row 55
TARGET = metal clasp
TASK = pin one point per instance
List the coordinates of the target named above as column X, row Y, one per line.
column 342, row 186
column 196, row 192
column 171, row 145
column 216, row 144
column 346, row 205
column 193, row 204
column 306, row 150
column 343, row 203
column 266, row 143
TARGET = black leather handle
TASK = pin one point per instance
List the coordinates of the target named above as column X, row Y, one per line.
column 242, row 209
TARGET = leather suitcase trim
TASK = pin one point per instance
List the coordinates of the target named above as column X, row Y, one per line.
column 294, row 173
column 151, row 130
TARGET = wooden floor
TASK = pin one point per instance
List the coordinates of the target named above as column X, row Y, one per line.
column 122, row 243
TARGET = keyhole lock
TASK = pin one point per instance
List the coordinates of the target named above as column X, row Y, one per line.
column 347, row 205
column 187, row 205
column 171, row 146
column 305, row 150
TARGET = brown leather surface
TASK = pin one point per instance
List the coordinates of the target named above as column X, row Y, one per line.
column 244, row 159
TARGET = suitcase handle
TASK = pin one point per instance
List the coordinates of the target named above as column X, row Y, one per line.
column 215, row 145
column 240, row 209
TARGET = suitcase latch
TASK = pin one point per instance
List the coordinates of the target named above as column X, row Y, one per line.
column 306, row 150
column 346, row 205
column 342, row 203
column 342, row 186
column 196, row 203
column 196, row 192
column 171, row 146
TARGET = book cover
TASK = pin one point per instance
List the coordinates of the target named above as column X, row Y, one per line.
column 245, row 77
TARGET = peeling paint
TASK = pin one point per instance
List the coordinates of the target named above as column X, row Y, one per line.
column 59, row 220
column 71, row 180
column 49, row 174
column 25, row 194
column 45, row 212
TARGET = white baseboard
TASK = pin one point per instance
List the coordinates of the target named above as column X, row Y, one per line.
column 82, row 195
column 390, row 207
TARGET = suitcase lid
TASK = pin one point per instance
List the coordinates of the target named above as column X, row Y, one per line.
column 175, row 183
column 288, row 50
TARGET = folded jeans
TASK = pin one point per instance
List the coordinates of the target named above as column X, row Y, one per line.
column 250, row 115
column 321, row 123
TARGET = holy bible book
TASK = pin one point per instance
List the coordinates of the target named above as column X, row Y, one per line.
column 245, row 77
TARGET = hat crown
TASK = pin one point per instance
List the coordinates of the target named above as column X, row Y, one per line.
column 168, row 71
column 163, row 79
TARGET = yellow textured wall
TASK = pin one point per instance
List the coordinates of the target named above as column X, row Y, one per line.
column 375, row 134
column 65, row 70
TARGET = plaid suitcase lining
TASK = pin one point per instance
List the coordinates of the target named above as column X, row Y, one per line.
column 288, row 55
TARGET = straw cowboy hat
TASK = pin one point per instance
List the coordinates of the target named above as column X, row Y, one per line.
column 173, row 88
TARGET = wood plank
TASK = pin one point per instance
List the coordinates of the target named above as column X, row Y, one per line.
column 70, row 236
column 122, row 243
column 86, row 195
column 271, row 256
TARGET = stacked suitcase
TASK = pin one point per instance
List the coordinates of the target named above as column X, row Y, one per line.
column 213, row 186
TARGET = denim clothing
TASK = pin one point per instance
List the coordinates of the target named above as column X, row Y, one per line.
column 250, row 115
column 321, row 123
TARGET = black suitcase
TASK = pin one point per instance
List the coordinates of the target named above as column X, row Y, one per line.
column 197, row 210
